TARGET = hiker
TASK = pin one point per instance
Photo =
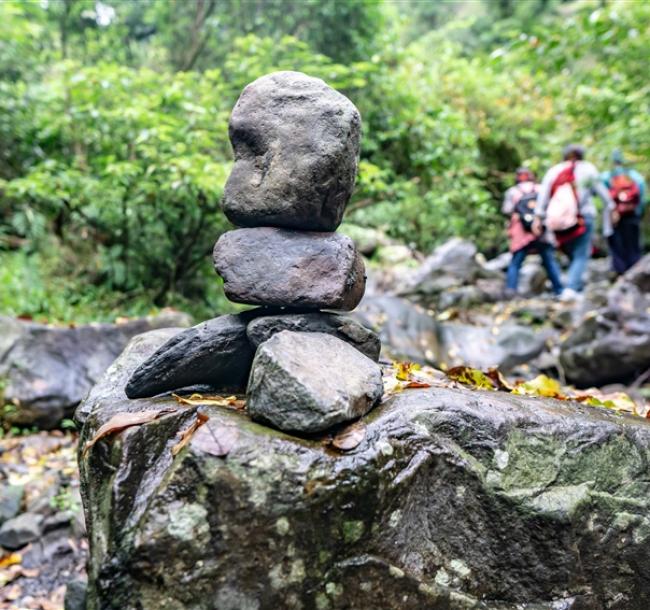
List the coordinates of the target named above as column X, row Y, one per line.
column 627, row 189
column 519, row 203
column 565, row 206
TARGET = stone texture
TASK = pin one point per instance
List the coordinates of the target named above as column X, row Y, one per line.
column 502, row 346
column 308, row 382
column 345, row 328
column 267, row 266
column 456, row 499
column 407, row 331
column 216, row 353
column 11, row 497
column 47, row 370
column 296, row 143
column 17, row 532
column 612, row 344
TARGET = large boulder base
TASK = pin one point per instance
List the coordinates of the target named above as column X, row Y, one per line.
column 455, row 499
column 215, row 353
column 296, row 143
column 46, row 370
column 295, row 269
column 309, row 382
column 345, row 328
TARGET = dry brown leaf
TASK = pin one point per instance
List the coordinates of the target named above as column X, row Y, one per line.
column 499, row 380
column 196, row 400
column 216, row 439
column 187, row 434
column 121, row 421
column 417, row 384
column 350, row 437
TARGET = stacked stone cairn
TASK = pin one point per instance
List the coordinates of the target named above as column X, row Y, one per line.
column 296, row 144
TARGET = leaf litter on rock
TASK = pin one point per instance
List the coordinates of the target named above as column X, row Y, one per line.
column 122, row 421
column 403, row 375
column 216, row 439
column 186, row 435
column 347, row 438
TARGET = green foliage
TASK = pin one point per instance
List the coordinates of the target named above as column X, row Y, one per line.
column 113, row 125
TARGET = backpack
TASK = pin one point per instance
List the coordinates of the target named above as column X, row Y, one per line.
column 562, row 213
column 525, row 208
column 625, row 193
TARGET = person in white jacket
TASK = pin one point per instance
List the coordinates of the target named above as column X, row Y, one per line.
column 576, row 243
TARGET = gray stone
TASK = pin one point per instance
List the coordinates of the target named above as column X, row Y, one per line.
column 296, row 143
column 345, row 328
column 309, row 382
column 75, row 595
column 503, row 346
column 11, row 497
column 611, row 344
column 47, row 370
column 17, row 532
column 455, row 499
column 267, row 266
column 216, row 353
column 407, row 331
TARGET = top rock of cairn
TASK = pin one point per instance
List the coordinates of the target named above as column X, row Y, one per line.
column 296, row 145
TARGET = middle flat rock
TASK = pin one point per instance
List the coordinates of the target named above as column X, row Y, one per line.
column 269, row 266
column 308, row 382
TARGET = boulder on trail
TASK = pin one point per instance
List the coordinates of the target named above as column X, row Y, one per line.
column 309, row 382
column 45, row 370
column 296, row 144
column 294, row 269
column 454, row 499
column 612, row 344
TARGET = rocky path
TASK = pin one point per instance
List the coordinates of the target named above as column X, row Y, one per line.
column 42, row 533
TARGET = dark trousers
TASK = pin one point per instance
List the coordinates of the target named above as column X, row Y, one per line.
column 625, row 243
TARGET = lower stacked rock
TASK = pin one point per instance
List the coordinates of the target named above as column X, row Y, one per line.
column 303, row 369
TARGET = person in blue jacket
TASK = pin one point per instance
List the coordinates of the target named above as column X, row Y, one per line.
column 628, row 190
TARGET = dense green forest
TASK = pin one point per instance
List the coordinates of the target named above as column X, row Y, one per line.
column 113, row 126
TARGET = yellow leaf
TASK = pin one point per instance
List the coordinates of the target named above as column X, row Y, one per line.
column 10, row 559
column 404, row 370
column 471, row 377
column 542, row 385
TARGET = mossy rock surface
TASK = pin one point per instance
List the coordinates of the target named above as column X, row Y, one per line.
column 454, row 500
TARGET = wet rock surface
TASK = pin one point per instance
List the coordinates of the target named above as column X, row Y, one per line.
column 455, row 499
column 345, row 328
column 46, row 370
column 296, row 143
column 298, row 269
column 216, row 353
column 43, row 545
column 309, row 382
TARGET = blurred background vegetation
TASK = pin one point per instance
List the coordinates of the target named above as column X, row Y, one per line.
column 113, row 126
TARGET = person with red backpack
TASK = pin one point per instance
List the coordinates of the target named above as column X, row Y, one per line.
column 566, row 207
column 519, row 203
column 627, row 189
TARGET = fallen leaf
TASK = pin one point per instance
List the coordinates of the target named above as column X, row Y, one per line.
column 215, row 439
column 500, row 382
column 350, row 437
column 201, row 418
column 13, row 593
column 195, row 400
column 542, row 385
column 10, row 559
column 470, row 376
column 417, row 384
column 404, row 370
column 121, row 421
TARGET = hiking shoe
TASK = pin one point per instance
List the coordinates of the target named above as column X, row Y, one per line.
column 568, row 295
